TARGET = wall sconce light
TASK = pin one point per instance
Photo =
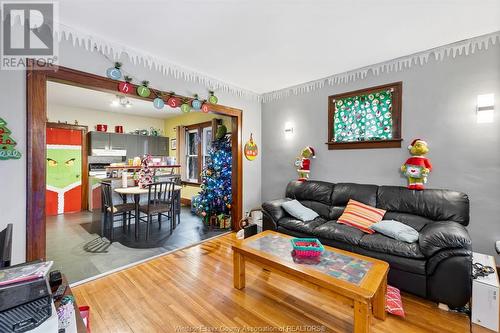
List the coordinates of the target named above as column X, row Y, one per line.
column 288, row 129
column 485, row 108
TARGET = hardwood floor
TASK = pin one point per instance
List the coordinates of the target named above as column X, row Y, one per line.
column 192, row 291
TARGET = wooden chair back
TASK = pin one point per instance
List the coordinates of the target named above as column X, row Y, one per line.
column 160, row 193
column 107, row 195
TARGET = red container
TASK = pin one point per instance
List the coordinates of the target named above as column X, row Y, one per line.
column 101, row 128
column 118, row 129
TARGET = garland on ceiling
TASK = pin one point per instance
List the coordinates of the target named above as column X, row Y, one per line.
column 464, row 47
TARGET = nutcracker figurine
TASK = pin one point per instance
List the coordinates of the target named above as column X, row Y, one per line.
column 303, row 163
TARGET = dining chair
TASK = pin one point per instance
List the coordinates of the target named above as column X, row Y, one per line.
column 160, row 200
column 176, row 209
column 111, row 210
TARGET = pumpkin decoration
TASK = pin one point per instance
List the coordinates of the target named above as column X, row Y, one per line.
column 251, row 150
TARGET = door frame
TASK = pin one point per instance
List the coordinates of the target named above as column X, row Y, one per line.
column 85, row 170
column 36, row 108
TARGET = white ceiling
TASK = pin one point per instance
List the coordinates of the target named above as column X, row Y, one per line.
column 265, row 45
column 66, row 95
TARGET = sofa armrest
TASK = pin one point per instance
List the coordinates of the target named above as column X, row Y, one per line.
column 272, row 211
column 443, row 235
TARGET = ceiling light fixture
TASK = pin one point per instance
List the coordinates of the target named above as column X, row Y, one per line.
column 122, row 101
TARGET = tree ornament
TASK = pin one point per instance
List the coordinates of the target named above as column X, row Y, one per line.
column 251, row 150
column 114, row 72
column 417, row 167
column 196, row 103
column 172, row 101
column 158, row 103
column 125, row 87
column 205, row 108
column 143, row 89
column 185, row 107
column 212, row 99
column 7, row 144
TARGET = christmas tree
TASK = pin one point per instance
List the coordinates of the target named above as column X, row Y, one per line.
column 7, row 144
column 215, row 197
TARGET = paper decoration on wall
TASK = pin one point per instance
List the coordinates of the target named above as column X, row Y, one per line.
column 212, row 99
column 417, row 167
column 114, row 72
column 303, row 163
column 125, row 87
column 173, row 102
column 251, row 150
column 205, row 108
column 196, row 103
column 143, row 89
column 185, row 107
column 158, row 103
column 7, row 143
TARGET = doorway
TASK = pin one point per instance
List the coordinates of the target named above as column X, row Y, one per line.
column 37, row 115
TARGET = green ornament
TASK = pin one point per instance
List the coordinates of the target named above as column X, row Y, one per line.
column 143, row 89
column 185, row 107
column 212, row 99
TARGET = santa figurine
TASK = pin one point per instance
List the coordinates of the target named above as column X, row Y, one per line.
column 303, row 163
column 417, row 167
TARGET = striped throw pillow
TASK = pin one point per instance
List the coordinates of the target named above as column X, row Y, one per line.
column 361, row 216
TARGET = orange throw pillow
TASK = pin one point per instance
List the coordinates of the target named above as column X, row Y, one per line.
column 361, row 216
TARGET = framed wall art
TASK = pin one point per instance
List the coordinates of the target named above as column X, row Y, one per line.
column 366, row 118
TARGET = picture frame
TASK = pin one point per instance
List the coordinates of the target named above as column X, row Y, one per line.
column 173, row 144
column 366, row 118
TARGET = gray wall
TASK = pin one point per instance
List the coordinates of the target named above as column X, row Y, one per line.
column 13, row 110
column 438, row 105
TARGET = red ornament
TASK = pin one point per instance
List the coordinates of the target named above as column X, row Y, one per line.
column 205, row 108
column 174, row 102
column 125, row 87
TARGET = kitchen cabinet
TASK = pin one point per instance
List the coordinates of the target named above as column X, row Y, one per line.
column 117, row 141
column 162, row 146
column 132, row 144
column 152, row 145
column 98, row 140
column 135, row 145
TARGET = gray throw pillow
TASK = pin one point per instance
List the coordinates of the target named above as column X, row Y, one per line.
column 396, row 230
column 299, row 211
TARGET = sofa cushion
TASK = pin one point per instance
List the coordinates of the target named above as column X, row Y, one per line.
column 310, row 190
column 322, row 209
column 414, row 221
column 299, row 211
column 384, row 244
column 361, row 216
column 339, row 232
column 396, row 230
column 437, row 205
column 294, row 224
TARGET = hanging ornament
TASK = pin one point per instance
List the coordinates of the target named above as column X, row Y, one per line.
column 185, row 107
column 205, row 108
column 143, row 89
column 251, row 150
column 212, row 99
column 114, row 72
column 196, row 103
column 172, row 101
column 158, row 103
column 125, row 87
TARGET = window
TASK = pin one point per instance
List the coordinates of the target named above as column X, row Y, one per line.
column 198, row 140
column 367, row 118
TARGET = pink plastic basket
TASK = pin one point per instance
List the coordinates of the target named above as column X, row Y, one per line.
column 307, row 247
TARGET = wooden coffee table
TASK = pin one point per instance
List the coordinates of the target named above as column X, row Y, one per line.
column 360, row 279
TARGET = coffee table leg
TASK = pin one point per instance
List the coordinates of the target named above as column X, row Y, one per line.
column 238, row 270
column 362, row 316
column 379, row 301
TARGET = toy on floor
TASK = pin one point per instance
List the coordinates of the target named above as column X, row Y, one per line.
column 417, row 167
column 303, row 163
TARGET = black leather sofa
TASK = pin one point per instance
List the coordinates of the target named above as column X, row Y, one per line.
column 437, row 267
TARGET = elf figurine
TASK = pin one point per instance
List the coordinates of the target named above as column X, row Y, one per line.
column 303, row 163
column 417, row 167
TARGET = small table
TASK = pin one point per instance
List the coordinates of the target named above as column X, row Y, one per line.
column 136, row 191
column 360, row 279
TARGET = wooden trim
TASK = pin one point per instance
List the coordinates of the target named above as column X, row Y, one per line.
column 396, row 119
column 36, row 107
column 85, row 167
column 185, row 201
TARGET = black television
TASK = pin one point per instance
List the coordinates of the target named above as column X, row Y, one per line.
column 6, row 246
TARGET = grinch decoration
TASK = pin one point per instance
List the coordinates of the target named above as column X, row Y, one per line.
column 114, row 72
column 143, row 89
column 303, row 163
column 146, row 173
column 215, row 198
column 7, row 144
column 417, row 167
column 251, row 150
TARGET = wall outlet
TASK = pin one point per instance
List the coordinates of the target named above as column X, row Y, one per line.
column 497, row 246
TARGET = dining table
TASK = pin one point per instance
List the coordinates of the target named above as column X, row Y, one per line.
column 137, row 191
